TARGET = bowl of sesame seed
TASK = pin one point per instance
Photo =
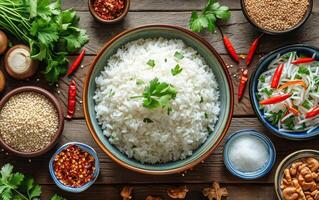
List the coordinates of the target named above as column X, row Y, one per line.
column 277, row 16
column 31, row 121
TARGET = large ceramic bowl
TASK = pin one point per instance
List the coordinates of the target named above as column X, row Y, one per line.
column 211, row 57
column 261, row 67
column 287, row 162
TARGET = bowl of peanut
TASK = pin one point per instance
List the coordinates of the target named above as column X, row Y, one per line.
column 297, row 176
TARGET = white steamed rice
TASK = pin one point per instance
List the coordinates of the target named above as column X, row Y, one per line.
column 170, row 137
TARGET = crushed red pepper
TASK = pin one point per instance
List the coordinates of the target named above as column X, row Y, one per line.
column 109, row 9
column 74, row 167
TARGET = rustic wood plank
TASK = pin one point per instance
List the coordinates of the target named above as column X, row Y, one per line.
column 111, row 173
column 240, row 32
column 236, row 192
column 142, row 5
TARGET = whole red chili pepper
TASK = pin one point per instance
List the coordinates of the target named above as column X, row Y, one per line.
column 275, row 99
column 71, row 99
column 302, row 60
column 230, row 48
column 76, row 63
column 314, row 112
column 252, row 50
column 277, row 76
column 242, row 84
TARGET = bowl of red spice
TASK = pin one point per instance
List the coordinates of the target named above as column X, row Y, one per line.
column 74, row 167
column 277, row 17
column 109, row 11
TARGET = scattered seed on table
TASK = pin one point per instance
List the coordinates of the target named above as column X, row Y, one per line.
column 28, row 122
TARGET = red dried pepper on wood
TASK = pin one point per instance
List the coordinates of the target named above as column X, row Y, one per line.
column 71, row 99
column 277, row 76
column 230, row 48
column 76, row 63
column 275, row 99
column 252, row 50
column 242, row 84
column 302, row 60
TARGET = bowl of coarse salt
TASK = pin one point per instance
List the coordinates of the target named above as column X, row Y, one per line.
column 249, row 154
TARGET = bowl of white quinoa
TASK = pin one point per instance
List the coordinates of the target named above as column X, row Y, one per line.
column 277, row 16
column 31, row 121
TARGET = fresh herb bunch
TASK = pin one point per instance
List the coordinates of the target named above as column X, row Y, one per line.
column 15, row 186
column 158, row 94
column 207, row 18
column 52, row 33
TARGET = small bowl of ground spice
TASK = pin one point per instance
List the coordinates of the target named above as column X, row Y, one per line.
column 109, row 11
column 277, row 16
column 31, row 121
column 74, row 167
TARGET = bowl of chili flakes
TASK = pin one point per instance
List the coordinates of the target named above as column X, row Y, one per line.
column 109, row 11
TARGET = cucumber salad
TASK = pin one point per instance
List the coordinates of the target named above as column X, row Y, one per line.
column 288, row 92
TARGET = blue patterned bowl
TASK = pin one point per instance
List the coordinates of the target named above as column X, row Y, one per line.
column 212, row 58
column 86, row 148
column 261, row 67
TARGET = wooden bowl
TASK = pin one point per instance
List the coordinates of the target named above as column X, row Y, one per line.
column 120, row 18
column 56, row 104
column 252, row 21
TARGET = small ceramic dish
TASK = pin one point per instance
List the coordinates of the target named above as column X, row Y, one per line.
column 118, row 19
column 286, row 162
column 56, row 104
column 261, row 67
column 260, row 172
column 86, row 148
column 216, row 64
column 301, row 22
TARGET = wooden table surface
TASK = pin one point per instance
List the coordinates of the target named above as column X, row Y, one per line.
column 113, row 177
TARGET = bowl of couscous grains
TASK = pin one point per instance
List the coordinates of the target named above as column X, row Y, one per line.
column 277, row 16
column 31, row 121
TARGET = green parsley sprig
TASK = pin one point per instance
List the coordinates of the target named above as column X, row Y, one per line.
column 52, row 33
column 208, row 17
column 176, row 70
column 16, row 186
column 157, row 94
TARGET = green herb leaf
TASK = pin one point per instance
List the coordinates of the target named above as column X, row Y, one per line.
column 201, row 99
column 176, row 70
column 157, row 94
column 262, row 79
column 306, row 104
column 139, row 82
column 178, row 55
column 303, row 70
column 57, row 197
column 147, row 120
column 266, row 91
column 151, row 63
column 290, row 122
column 208, row 17
column 206, row 115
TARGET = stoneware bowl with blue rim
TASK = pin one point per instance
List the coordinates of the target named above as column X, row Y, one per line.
column 250, row 175
column 212, row 58
column 86, row 148
column 261, row 67
column 287, row 162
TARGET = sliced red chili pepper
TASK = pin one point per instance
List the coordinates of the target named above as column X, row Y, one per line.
column 313, row 113
column 242, row 84
column 277, row 76
column 71, row 99
column 230, row 48
column 275, row 99
column 302, row 60
column 76, row 63
column 252, row 50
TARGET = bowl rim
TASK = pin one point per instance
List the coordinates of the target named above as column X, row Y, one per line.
column 94, row 134
column 253, row 78
column 120, row 18
column 259, row 173
column 84, row 187
column 284, row 161
column 56, row 104
column 300, row 23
